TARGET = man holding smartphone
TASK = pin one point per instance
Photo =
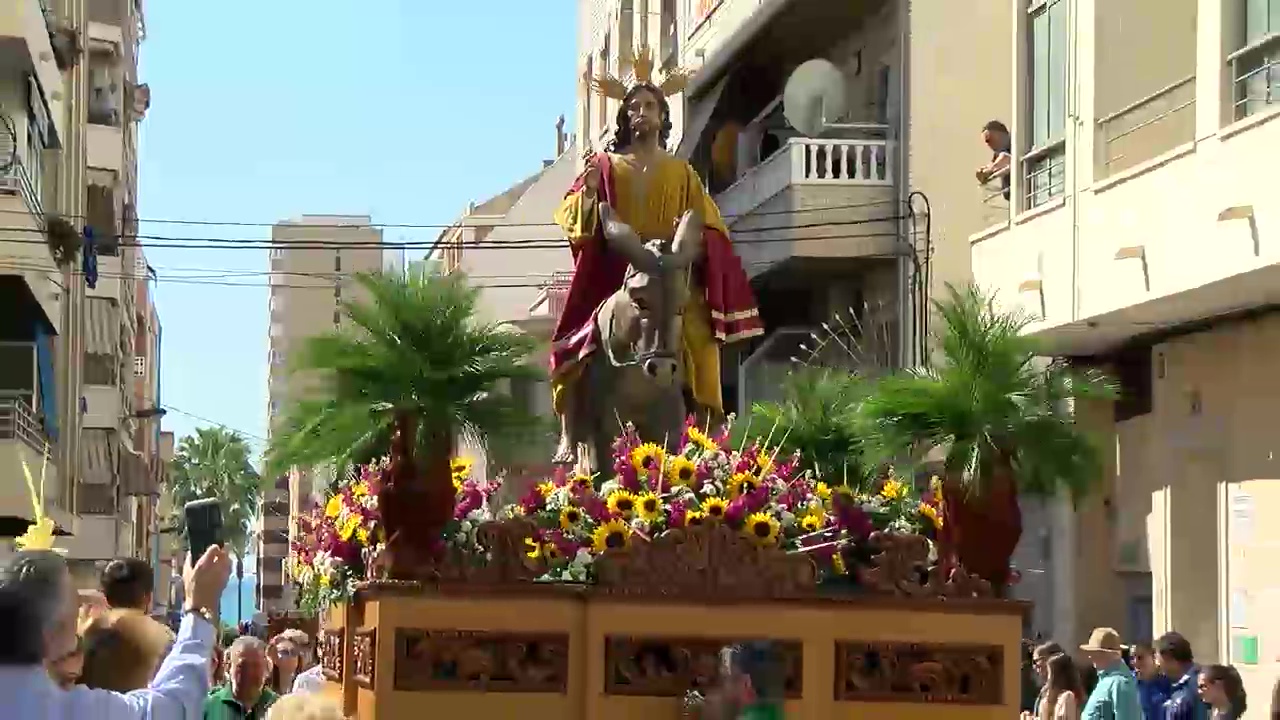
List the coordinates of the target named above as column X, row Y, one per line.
column 38, row 613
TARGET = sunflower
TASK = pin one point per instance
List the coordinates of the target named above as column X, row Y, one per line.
column 695, row 518
column 935, row 485
column 551, row 552
column 822, row 491
column 532, row 549
column 649, row 506
column 461, row 467
column 764, row 464
column 546, row 488
column 743, row 484
column 613, row 534
column 701, row 440
column 714, row 507
column 359, row 490
column 570, row 517
column 457, row 485
column 761, row 528
column 622, row 503
column 893, row 490
column 582, row 480
column 812, row 522
column 931, row 513
column 647, row 457
column 334, row 507
column 681, row 470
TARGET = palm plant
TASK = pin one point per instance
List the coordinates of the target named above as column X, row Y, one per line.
column 819, row 417
column 416, row 371
column 215, row 462
column 1002, row 418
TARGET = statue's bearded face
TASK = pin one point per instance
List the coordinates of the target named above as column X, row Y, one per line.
column 644, row 112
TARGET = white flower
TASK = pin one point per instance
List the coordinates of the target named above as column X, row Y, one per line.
column 465, row 526
column 461, row 538
column 609, row 487
column 788, row 519
column 639, row 524
column 582, row 558
column 475, row 515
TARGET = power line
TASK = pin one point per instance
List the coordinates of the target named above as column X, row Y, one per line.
column 431, row 226
column 224, row 426
column 208, row 243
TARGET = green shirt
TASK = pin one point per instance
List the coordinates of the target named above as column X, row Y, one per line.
column 762, row 711
column 1115, row 697
column 222, row 705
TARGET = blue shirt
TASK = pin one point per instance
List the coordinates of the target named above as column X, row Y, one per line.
column 1153, row 693
column 177, row 692
column 1115, row 697
column 1184, row 701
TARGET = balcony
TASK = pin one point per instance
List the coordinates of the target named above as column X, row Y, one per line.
column 26, row 47
column 814, row 198
column 31, row 281
column 1182, row 237
column 23, row 441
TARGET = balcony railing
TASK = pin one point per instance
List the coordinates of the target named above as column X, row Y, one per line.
column 19, row 422
column 1044, row 174
column 1255, row 75
column 17, row 180
column 809, row 161
column 1147, row 127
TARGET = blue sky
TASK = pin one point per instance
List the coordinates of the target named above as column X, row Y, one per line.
column 402, row 109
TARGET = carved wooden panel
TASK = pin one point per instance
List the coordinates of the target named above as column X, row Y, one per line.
column 900, row 566
column 919, row 673
column 481, row 661
column 671, row 667
column 364, row 656
column 331, row 659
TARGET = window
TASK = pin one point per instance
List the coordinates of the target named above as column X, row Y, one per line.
column 337, row 317
column 37, row 132
column 337, row 291
column 602, row 107
column 1255, row 66
column 626, row 19
column 139, row 366
column 1044, row 168
column 337, row 262
column 668, row 36
column 277, row 358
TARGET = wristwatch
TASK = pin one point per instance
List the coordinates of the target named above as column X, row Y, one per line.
column 201, row 612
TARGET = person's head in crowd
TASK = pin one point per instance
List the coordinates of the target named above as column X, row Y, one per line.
column 123, row 650
column 1174, row 656
column 288, row 653
column 1103, row 648
column 1063, row 677
column 1040, row 659
column 39, row 610
column 128, row 583
column 1144, row 661
column 1221, row 687
column 305, row 706
column 247, row 668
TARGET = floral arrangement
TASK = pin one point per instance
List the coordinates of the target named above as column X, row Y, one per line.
column 771, row 500
column 335, row 541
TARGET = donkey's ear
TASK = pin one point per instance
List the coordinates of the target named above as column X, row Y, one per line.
column 623, row 239
column 688, row 244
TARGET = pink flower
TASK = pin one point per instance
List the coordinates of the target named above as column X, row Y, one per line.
column 595, row 507
column 737, row 510
column 676, row 512
column 852, row 518
column 533, row 501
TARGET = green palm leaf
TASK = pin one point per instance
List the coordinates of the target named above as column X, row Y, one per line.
column 216, row 462
column 415, row 345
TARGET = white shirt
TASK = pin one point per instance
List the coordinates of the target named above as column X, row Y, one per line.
column 176, row 693
column 310, row 680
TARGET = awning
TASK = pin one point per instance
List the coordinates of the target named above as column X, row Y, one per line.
column 97, row 457
column 102, row 326
column 699, row 116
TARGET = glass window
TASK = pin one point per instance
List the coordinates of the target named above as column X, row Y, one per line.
column 1255, row 65
column 1044, row 163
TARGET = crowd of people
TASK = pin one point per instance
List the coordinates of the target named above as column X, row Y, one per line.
column 69, row 654
column 1114, row 681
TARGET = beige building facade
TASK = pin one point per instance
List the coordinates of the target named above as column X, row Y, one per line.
column 313, row 261
column 1151, row 247
column 68, row 144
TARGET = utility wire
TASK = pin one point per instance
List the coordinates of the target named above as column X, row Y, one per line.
column 536, row 244
column 430, row 226
column 224, row 426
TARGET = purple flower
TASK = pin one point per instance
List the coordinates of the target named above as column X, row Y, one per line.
column 737, row 510
column 850, row 517
column 676, row 512
column 532, row 501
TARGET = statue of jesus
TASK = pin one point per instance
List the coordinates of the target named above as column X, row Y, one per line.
column 648, row 189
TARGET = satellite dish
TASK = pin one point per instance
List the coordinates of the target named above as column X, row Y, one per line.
column 814, row 97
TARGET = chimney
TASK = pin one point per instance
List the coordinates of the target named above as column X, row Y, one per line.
column 560, row 136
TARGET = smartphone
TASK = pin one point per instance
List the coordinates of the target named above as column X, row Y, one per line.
column 204, row 525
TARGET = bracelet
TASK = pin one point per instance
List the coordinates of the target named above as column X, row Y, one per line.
column 201, row 612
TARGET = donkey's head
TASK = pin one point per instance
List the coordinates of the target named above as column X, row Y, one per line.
column 656, row 290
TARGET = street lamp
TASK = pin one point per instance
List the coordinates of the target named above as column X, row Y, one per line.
column 151, row 413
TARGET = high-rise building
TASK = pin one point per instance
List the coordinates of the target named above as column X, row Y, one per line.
column 71, row 387
column 313, row 261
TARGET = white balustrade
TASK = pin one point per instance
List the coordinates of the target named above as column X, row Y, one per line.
column 809, row 161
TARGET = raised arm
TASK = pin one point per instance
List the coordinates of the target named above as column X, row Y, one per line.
column 577, row 215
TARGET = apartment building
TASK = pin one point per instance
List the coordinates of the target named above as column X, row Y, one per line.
column 313, row 261
column 1145, row 240
column 69, row 108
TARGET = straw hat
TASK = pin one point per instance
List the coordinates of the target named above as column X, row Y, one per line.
column 1103, row 639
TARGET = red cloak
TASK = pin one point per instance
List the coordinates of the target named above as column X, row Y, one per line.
column 598, row 272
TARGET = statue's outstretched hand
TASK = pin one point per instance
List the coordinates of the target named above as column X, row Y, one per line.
column 624, row 240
